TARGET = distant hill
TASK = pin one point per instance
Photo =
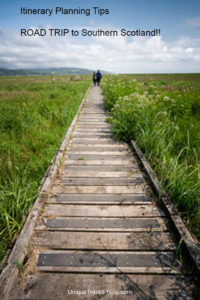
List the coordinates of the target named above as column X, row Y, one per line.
column 44, row 71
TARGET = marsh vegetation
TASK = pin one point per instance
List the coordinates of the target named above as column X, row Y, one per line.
column 162, row 113
column 35, row 114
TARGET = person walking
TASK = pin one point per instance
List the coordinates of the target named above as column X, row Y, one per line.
column 94, row 77
column 99, row 76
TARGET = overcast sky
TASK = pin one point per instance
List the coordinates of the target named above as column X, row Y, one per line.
column 177, row 49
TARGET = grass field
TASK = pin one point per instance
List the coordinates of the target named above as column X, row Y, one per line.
column 162, row 113
column 35, row 114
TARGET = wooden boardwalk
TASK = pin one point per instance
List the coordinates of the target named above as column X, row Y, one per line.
column 101, row 234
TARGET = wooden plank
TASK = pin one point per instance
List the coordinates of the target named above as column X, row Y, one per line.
column 91, row 122
column 93, row 119
column 161, row 241
column 109, row 261
column 93, row 135
column 101, row 168
column 93, row 130
column 88, row 152
column 92, row 111
column 85, row 115
column 97, row 129
column 93, row 115
column 98, row 156
column 86, row 111
column 108, row 145
column 101, row 224
column 84, row 173
column 82, row 115
column 101, row 119
column 82, row 126
column 104, row 286
column 100, row 149
column 93, row 127
column 62, row 189
column 119, row 199
column 102, row 210
column 102, row 181
column 95, row 141
column 98, row 162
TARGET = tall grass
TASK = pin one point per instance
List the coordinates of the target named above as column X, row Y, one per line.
column 34, row 115
column 163, row 117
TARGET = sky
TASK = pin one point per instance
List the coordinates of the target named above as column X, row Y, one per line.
column 175, row 50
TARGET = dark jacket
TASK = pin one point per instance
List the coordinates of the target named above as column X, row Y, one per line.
column 99, row 75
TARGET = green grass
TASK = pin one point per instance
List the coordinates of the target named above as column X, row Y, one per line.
column 161, row 112
column 35, row 114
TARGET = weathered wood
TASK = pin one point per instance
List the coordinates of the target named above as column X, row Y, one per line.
column 105, row 240
column 92, row 135
column 92, row 111
column 106, row 145
column 102, row 210
column 115, row 262
column 92, row 130
column 89, row 162
column 66, row 286
column 84, row 173
column 119, row 199
column 82, row 126
column 102, row 181
column 98, row 162
column 99, row 149
column 93, row 116
column 95, row 141
column 99, row 189
column 88, row 152
column 98, row 156
column 102, row 168
column 119, row 224
column 91, row 123
column 93, row 119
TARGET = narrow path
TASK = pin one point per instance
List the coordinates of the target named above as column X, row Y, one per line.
column 101, row 233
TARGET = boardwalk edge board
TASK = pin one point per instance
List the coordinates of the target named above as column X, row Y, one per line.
column 181, row 230
column 10, row 272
